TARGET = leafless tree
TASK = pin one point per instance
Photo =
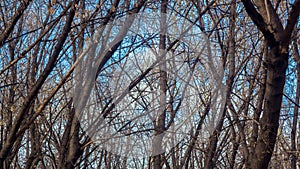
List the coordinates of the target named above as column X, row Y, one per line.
column 149, row 84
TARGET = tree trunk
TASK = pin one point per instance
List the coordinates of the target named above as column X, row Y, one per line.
column 12, row 137
column 296, row 109
column 159, row 126
column 277, row 61
column 278, row 39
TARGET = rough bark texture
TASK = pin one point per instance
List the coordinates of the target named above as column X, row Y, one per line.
column 278, row 39
column 269, row 122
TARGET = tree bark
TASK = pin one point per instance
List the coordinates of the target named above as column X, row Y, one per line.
column 159, row 126
column 278, row 40
column 296, row 109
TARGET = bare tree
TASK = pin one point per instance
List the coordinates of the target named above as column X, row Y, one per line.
column 149, row 84
column 278, row 39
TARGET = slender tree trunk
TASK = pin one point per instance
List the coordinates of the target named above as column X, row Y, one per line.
column 296, row 109
column 12, row 137
column 210, row 159
column 70, row 149
column 159, row 126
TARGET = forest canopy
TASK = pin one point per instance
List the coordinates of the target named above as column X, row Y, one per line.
column 149, row 84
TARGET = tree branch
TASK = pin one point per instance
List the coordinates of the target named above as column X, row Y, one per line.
column 258, row 20
column 16, row 17
column 292, row 20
